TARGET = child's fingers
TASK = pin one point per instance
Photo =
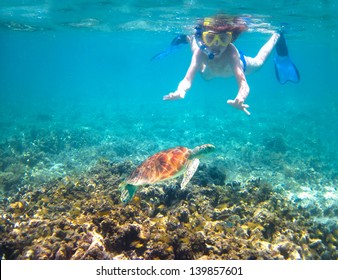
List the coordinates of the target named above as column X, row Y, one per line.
column 246, row 111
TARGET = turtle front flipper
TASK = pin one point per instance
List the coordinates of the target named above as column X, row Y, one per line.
column 192, row 166
column 127, row 192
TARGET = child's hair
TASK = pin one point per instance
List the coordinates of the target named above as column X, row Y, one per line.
column 223, row 23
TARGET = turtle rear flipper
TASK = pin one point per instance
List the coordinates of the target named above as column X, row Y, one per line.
column 127, row 192
column 192, row 166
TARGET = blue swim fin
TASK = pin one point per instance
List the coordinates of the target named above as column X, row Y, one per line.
column 179, row 40
column 285, row 69
column 175, row 45
column 166, row 52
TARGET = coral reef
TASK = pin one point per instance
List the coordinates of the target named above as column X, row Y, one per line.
column 53, row 207
column 80, row 217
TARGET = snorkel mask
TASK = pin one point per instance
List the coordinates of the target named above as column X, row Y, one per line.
column 210, row 38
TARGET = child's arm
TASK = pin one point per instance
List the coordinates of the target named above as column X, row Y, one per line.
column 185, row 84
column 243, row 86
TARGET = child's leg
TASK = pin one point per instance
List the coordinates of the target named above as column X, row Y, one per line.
column 256, row 62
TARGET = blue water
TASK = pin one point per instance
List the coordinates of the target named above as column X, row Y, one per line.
column 77, row 85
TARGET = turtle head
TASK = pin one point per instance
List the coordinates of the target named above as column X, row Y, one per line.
column 203, row 150
column 127, row 192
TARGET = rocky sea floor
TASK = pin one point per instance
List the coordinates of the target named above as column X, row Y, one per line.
column 82, row 218
column 258, row 197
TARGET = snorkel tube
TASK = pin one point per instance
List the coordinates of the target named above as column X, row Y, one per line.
column 200, row 44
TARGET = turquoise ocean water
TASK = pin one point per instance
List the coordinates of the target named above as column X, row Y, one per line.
column 77, row 84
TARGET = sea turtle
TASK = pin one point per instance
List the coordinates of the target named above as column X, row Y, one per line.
column 163, row 166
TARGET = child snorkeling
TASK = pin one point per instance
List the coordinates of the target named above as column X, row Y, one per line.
column 215, row 55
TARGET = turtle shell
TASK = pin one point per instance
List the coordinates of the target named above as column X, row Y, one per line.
column 160, row 166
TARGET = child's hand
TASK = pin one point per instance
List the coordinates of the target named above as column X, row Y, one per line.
column 178, row 94
column 239, row 105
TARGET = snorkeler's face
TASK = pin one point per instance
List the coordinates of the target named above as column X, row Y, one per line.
column 216, row 42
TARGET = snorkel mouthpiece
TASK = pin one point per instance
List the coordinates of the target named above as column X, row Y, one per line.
column 206, row 50
column 211, row 55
